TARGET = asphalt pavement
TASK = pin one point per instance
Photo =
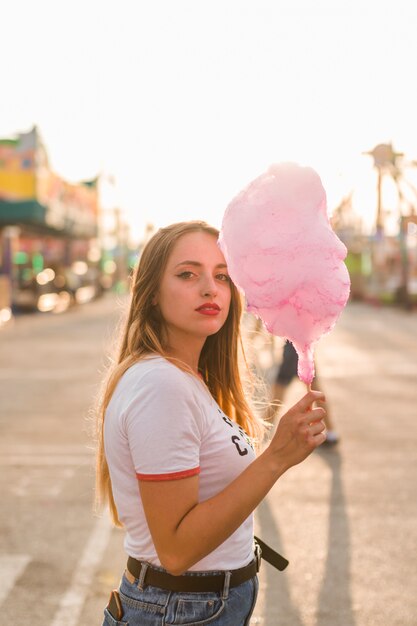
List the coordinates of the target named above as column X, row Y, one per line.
column 345, row 518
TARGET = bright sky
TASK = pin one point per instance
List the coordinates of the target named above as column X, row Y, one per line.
column 186, row 101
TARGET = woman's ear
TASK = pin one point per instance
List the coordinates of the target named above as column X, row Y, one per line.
column 154, row 300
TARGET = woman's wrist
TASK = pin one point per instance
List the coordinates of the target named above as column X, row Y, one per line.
column 273, row 463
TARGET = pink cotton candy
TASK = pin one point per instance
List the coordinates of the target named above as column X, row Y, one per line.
column 282, row 253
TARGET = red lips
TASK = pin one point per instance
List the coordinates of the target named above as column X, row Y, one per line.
column 208, row 307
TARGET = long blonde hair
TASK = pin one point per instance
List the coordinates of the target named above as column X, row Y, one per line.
column 143, row 335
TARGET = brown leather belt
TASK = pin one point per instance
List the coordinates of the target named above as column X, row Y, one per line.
column 193, row 582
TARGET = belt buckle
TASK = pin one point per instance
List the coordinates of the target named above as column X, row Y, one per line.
column 258, row 556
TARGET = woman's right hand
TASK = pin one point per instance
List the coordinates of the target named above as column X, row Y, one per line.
column 299, row 431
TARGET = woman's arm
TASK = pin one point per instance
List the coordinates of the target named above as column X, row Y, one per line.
column 184, row 530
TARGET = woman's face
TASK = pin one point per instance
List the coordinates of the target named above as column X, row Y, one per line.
column 194, row 294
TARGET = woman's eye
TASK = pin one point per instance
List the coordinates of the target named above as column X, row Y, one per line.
column 224, row 277
column 185, row 274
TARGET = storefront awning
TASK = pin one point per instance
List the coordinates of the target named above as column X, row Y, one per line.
column 31, row 213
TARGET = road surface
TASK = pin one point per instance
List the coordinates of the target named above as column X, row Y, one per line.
column 346, row 518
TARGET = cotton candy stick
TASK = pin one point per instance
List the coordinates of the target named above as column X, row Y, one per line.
column 283, row 254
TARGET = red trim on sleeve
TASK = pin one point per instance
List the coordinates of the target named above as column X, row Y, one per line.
column 171, row 476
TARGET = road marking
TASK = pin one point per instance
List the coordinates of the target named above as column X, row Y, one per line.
column 41, row 482
column 19, row 373
column 26, row 460
column 11, row 568
column 41, row 449
column 70, row 607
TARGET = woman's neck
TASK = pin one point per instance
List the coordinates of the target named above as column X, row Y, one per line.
column 188, row 353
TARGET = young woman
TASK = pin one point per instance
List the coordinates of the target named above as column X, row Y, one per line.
column 175, row 456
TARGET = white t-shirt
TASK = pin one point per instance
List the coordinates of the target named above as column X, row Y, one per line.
column 163, row 424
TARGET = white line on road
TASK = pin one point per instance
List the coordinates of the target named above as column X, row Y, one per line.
column 11, row 567
column 47, row 375
column 40, row 482
column 39, row 448
column 31, row 460
column 72, row 602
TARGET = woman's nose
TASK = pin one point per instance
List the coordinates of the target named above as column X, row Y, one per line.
column 209, row 287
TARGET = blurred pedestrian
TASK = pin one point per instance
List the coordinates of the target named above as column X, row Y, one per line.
column 176, row 459
column 287, row 372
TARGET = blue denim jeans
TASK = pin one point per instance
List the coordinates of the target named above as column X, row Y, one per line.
column 153, row 606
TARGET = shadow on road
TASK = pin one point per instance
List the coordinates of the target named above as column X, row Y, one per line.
column 335, row 602
column 279, row 608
